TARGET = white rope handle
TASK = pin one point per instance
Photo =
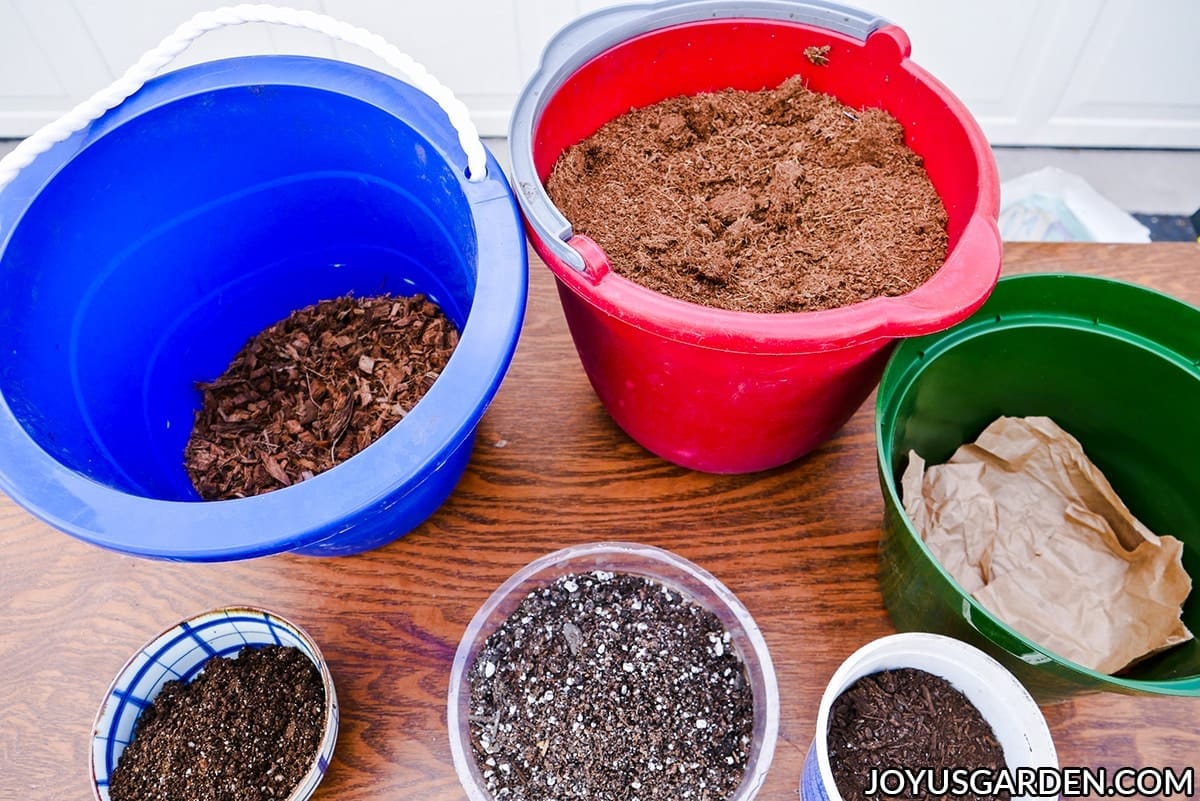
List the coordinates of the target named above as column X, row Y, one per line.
column 149, row 65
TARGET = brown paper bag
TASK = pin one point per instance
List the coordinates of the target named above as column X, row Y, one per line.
column 1033, row 530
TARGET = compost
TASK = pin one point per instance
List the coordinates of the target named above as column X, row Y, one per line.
column 781, row 200
column 246, row 729
column 907, row 718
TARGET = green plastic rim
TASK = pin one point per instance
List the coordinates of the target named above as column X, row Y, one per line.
column 1115, row 364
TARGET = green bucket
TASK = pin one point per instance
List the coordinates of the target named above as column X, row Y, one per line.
column 1117, row 366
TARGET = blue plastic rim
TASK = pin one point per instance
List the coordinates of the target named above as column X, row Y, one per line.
column 137, row 257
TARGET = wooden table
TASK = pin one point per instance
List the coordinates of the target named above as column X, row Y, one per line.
column 796, row 544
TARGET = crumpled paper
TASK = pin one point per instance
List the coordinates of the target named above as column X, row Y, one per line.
column 1034, row 531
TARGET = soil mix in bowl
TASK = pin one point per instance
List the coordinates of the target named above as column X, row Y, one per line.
column 610, row 686
column 907, row 719
column 313, row 390
column 245, row 729
column 782, row 200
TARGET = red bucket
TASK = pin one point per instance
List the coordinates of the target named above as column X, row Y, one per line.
column 725, row 391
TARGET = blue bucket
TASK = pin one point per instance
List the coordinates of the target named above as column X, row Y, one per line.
column 139, row 255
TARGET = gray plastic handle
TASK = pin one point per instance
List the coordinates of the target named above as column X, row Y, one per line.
column 591, row 35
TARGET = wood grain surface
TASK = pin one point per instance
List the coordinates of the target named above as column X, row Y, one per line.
column 796, row 544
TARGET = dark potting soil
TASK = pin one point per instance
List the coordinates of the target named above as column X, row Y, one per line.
column 245, row 729
column 610, row 686
column 907, row 718
column 782, row 200
column 313, row 390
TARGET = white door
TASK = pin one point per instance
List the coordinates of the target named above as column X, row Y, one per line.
column 1084, row 73
column 1110, row 73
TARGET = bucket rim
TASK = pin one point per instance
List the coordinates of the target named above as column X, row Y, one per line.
column 374, row 480
column 956, row 289
column 902, row 371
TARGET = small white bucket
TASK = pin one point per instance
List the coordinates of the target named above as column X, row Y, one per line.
column 1003, row 701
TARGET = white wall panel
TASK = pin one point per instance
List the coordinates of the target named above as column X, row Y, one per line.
column 48, row 62
column 1136, row 79
column 1114, row 73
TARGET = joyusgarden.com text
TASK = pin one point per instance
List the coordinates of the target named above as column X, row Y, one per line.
column 1068, row 782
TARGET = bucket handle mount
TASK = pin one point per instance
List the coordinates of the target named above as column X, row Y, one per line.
column 152, row 62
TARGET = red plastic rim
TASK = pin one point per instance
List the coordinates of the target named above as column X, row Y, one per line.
column 751, row 54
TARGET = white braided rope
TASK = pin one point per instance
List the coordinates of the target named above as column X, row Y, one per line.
column 149, row 65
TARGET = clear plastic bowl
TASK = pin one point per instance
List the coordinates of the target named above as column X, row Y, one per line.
column 656, row 564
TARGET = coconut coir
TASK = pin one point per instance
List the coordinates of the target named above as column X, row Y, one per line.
column 781, row 200
column 607, row 686
column 314, row 389
column 907, row 719
column 246, row 729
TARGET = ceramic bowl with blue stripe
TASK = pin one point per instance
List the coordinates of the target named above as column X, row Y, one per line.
column 178, row 654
